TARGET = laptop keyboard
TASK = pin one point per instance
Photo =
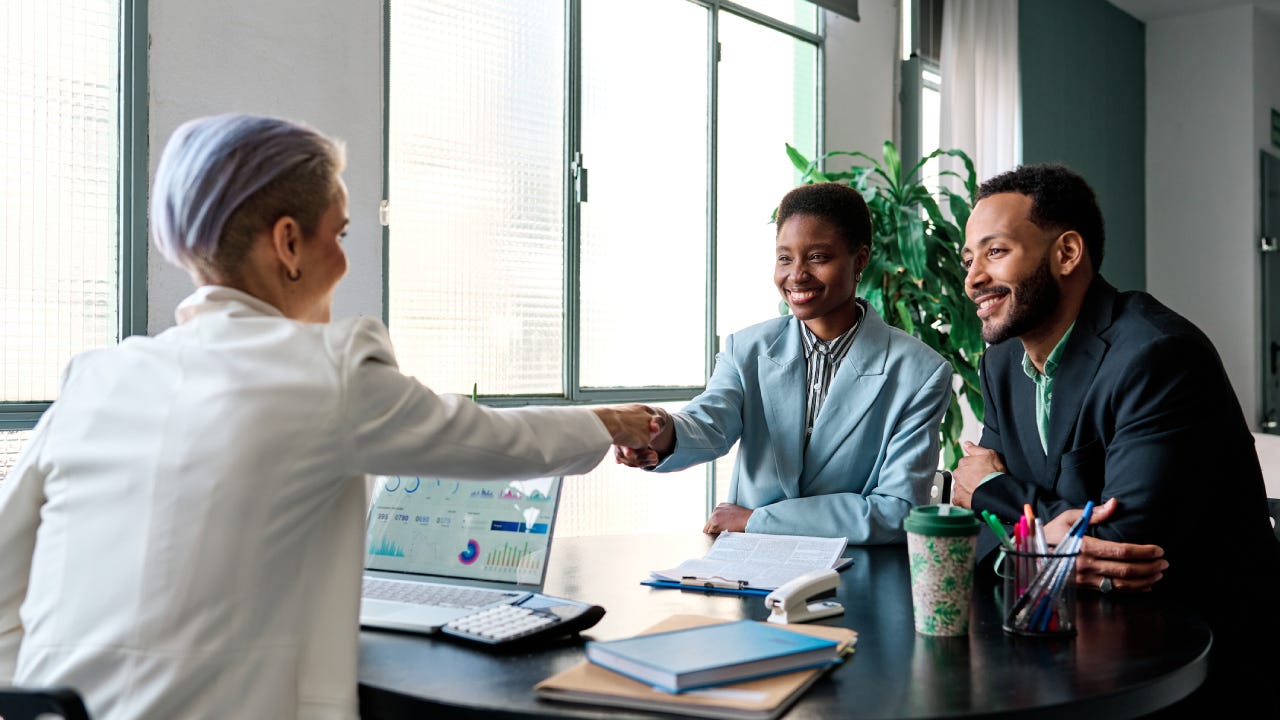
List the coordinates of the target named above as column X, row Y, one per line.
column 435, row 595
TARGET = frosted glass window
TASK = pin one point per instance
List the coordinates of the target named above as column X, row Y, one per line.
column 930, row 126
column 11, row 444
column 499, row 280
column 754, row 171
column 476, row 167
column 59, row 160
column 644, row 226
column 615, row 499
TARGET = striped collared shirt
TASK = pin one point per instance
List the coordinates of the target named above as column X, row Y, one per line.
column 823, row 359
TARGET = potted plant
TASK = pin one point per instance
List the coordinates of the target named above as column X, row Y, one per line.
column 915, row 279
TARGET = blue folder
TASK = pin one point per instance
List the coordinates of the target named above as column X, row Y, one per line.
column 672, row 584
column 694, row 586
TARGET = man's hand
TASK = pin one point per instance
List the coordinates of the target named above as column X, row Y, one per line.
column 977, row 463
column 1131, row 568
column 727, row 516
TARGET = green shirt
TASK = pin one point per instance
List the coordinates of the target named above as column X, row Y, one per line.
column 1044, row 385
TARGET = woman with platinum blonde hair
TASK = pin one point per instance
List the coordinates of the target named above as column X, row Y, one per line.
column 183, row 534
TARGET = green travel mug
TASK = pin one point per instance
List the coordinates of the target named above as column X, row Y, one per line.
column 941, row 543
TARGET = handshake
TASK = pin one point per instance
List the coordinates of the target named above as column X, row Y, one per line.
column 642, row 435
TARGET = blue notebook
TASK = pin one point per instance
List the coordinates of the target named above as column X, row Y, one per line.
column 712, row 654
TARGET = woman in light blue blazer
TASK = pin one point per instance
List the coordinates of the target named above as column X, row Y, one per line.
column 837, row 412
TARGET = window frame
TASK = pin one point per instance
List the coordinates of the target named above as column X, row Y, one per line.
column 131, row 229
column 574, row 393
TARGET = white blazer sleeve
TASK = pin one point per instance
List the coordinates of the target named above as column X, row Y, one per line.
column 398, row 426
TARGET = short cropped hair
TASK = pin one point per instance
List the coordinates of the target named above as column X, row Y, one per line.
column 224, row 179
column 838, row 204
column 1061, row 200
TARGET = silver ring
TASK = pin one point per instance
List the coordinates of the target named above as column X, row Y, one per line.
column 1106, row 585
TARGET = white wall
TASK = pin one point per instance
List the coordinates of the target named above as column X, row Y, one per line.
column 319, row 63
column 861, row 64
column 1202, row 179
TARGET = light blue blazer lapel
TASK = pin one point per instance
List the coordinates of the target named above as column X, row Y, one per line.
column 856, row 386
column 781, row 374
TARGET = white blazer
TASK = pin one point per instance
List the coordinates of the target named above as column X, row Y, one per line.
column 183, row 535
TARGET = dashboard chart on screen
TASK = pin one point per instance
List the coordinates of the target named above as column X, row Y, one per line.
column 486, row 530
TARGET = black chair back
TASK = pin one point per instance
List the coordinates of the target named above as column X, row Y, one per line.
column 33, row 703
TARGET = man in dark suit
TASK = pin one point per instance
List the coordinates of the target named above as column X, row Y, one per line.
column 1097, row 395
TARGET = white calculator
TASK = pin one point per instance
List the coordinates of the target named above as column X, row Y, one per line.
column 536, row 618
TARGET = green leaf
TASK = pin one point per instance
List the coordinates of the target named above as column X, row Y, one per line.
column 875, row 298
column 800, row 161
column 911, row 243
column 904, row 317
column 975, row 403
column 959, row 210
column 892, row 164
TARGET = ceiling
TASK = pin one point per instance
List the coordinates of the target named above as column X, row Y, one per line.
column 1147, row 10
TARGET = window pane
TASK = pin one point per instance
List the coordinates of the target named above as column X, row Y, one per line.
column 801, row 13
column 475, row 255
column 59, row 153
column 615, row 499
column 644, row 225
column 930, row 132
column 11, row 444
column 768, row 97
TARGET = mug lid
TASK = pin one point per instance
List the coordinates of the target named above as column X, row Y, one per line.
column 941, row 520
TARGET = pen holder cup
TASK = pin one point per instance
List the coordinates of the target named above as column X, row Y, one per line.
column 1038, row 592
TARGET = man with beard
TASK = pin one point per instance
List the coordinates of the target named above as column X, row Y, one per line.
column 1097, row 395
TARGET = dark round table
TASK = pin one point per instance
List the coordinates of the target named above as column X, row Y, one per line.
column 1130, row 655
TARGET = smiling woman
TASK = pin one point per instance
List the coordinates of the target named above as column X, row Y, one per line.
column 914, row 278
column 834, row 412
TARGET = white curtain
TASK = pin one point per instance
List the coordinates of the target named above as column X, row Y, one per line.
column 981, row 105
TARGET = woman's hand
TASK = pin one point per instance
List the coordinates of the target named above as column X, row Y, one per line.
column 651, row 454
column 633, row 426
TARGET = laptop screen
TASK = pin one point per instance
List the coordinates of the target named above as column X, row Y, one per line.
column 497, row 531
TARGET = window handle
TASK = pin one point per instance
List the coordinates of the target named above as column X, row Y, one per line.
column 579, row 173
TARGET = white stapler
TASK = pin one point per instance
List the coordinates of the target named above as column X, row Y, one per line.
column 790, row 603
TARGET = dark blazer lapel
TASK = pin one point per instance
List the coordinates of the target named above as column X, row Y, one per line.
column 781, row 374
column 854, row 388
column 1084, row 353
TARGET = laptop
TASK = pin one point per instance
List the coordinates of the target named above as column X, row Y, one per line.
column 439, row 549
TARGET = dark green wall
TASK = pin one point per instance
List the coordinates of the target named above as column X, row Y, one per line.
column 1083, row 80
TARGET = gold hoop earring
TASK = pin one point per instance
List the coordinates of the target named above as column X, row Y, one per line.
column 294, row 275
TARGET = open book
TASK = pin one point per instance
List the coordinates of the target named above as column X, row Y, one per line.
column 746, row 562
column 760, row 699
